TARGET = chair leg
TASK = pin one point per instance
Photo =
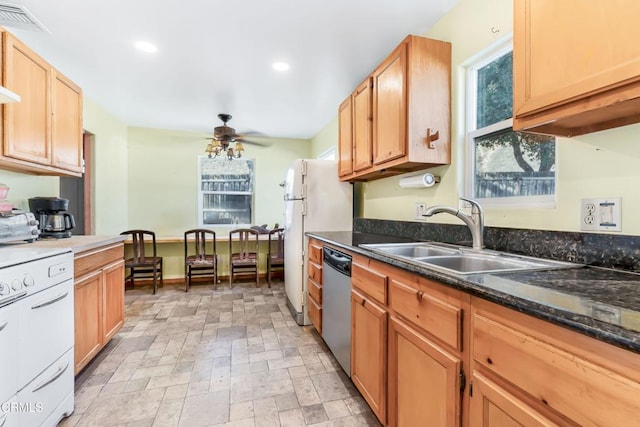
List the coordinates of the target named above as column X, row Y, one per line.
column 230, row 276
column 215, row 274
column 257, row 277
column 269, row 272
column 186, row 278
column 155, row 280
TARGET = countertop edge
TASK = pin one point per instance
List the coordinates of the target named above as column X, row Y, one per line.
column 79, row 243
column 602, row 331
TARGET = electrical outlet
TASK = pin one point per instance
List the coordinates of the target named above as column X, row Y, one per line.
column 600, row 214
column 421, row 207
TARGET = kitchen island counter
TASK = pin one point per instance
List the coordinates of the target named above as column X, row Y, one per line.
column 602, row 303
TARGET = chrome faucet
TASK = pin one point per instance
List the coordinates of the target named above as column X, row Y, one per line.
column 475, row 221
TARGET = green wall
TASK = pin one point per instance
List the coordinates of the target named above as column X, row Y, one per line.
column 326, row 138
column 163, row 178
column 602, row 164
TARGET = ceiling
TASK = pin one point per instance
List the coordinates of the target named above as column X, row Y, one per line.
column 215, row 56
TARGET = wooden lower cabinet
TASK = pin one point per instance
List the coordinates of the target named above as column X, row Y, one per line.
column 369, row 352
column 424, row 380
column 494, row 406
column 314, row 283
column 88, row 318
column 99, row 300
column 113, row 299
column 554, row 376
column 456, row 360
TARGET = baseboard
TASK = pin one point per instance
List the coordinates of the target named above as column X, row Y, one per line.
column 221, row 279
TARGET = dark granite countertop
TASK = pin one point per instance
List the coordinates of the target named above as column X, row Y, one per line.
column 602, row 303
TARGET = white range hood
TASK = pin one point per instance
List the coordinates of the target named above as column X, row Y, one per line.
column 6, row 96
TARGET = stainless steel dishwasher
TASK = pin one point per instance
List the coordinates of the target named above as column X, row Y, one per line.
column 336, row 305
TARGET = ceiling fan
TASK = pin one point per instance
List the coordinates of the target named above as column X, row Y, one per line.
column 223, row 136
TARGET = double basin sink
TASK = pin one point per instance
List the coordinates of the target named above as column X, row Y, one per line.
column 463, row 260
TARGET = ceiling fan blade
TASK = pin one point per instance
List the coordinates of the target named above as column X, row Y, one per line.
column 251, row 142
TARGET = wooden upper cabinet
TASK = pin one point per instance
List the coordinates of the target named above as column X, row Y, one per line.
column 26, row 123
column 408, row 125
column 362, row 126
column 390, row 103
column 43, row 132
column 345, row 138
column 66, row 129
column 576, row 65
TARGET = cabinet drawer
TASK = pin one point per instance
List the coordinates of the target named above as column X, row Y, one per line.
column 425, row 308
column 315, row 291
column 583, row 391
column 88, row 261
column 315, row 314
column 369, row 281
column 315, row 252
column 315, row 272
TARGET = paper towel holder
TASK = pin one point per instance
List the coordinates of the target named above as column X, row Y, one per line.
column 419, row 181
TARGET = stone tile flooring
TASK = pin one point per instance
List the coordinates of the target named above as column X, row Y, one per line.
column 208, row 358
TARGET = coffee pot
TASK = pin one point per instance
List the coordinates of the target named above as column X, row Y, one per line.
column 52, row 214
column 61, row 221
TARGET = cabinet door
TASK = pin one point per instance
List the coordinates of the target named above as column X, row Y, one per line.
column 26, row 123
column 66, row 126
column 113, row 299
column 362, row 126
column 345, row 138
column 493, row 406
column 88, row 318
column 424, row 380
column 369, row 352
column 390, row 107
column 581, row 69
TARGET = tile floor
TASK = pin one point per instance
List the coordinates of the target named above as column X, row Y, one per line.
column 209, row 358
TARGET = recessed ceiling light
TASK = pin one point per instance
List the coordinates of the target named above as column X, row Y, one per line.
column 280, row 66
column 146, row 46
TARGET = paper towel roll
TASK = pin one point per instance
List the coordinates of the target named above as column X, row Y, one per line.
column 419, row 181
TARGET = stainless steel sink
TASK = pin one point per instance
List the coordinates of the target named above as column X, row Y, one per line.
column 463, row 260
column 412, row 250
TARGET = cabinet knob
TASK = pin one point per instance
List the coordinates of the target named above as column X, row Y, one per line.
column 419, row 295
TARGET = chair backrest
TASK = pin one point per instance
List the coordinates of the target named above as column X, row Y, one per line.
column 276, row 243
column 196, row 242
column 248, row 242
column 140, row 237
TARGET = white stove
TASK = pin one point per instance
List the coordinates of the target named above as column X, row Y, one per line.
column 36, row 335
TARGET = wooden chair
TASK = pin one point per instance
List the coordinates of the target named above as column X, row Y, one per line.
column 275, row 256
column 244, row 260
column 140, row 265
column 200, row 256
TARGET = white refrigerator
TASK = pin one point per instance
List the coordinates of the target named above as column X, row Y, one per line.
column 315, row 200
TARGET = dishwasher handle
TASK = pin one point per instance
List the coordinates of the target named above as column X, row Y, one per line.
column 339, row 261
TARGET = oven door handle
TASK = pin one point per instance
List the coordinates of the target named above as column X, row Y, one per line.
column 46, row 303
column 52, row 379
column 2, row 326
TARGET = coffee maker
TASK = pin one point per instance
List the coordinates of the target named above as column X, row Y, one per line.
column 51, row 212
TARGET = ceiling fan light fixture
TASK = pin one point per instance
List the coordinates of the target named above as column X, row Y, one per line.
column 280, row 66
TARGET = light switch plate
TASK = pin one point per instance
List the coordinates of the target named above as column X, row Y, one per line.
column 600, row 214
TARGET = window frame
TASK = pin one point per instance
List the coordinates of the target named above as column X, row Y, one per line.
column 469, row 70
column 202, row 193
